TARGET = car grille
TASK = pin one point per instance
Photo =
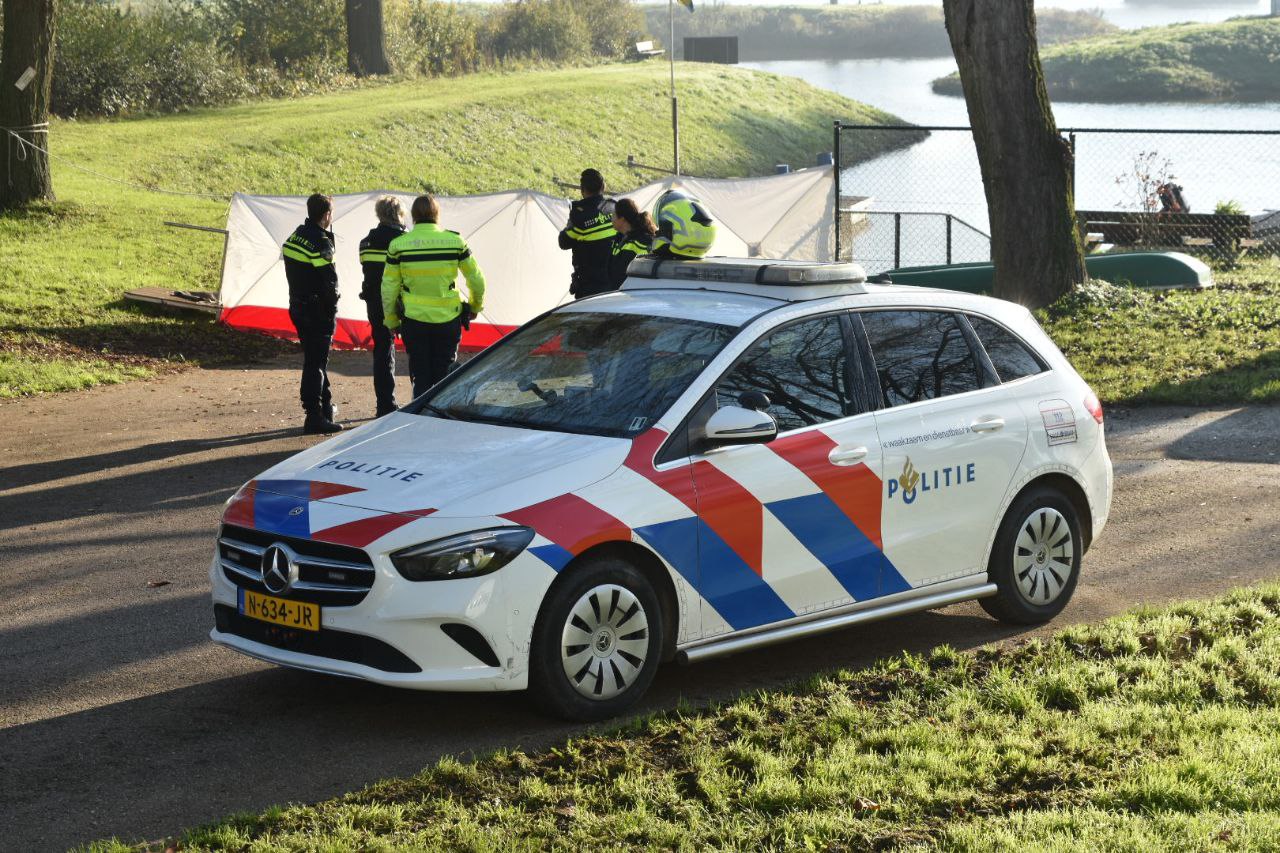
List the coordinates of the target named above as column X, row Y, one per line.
column 325, row 643
column 328, row 575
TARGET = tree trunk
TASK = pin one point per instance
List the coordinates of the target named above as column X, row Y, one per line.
column 1026, row 165
column 366, row 44
column 26, row 75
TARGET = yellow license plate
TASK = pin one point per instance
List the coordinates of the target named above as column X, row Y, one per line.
column 279, row 611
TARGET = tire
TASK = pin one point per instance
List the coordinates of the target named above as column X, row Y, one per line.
column 1033, row 566
column 597, row 642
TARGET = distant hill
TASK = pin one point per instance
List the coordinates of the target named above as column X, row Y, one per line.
column 1234, row 61
column 845, row 32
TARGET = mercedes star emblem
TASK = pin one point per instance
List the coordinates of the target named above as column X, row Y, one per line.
column 278, row 569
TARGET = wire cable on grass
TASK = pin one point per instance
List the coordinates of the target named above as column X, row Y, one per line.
column 25, row 144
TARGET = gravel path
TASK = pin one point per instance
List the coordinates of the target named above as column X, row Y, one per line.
column 119, row 717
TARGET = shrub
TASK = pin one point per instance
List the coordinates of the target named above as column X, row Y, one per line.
column 108, row 61
column 538, row 29
column 431, row 37
column 282, row 33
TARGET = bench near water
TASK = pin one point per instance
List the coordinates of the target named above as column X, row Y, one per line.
column 1226, row 231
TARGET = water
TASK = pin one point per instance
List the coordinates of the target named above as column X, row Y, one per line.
column 941, row 175
column 1122, row 13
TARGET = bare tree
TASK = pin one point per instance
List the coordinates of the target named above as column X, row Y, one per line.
column 26, row 75
column 366, row 42
column 1026, row 164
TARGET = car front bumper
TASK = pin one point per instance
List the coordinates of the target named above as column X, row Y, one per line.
column 396, row 635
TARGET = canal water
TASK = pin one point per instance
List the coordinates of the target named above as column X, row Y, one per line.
column 940, row 174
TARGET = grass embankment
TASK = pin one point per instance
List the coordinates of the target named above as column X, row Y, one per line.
column 65, row 266
column 1220, row 345
column 846, row 32
column 1154, row 731
column 1232, row 61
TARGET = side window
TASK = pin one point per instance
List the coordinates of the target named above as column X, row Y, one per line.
column 1010, row 356
column 801, row 369
column 920, row 355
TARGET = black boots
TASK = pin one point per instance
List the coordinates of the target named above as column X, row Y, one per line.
column 321, row 423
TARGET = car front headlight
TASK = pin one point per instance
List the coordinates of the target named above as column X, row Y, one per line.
column 466, row 555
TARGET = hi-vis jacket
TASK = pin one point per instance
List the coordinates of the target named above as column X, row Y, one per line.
column 373, row 255
column 588, row 234
column 421, row 267
column 625, row 248
column 308, row 265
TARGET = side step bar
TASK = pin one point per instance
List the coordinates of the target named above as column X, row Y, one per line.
column 867, row 612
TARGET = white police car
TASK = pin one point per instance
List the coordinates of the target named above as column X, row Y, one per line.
column 722, row 455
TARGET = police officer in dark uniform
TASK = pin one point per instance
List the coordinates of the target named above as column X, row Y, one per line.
column 636, row 233
column 313, row 308
column 373, row 257
column 589, row 235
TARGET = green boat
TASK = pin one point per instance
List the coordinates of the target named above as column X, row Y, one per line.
column 1149, row 270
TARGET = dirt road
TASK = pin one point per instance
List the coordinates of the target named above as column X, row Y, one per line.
column 119, row 717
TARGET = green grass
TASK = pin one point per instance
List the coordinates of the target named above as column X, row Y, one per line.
column 1154, row 731
column 1220, row 345
column 65, row 266
column 1232, row 61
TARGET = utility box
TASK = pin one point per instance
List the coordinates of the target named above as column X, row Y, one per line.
column 721, row 49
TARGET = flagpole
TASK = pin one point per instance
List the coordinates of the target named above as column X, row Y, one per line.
column 675, row 105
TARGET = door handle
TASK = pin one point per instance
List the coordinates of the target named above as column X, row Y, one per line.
column 987, row 425
column 847, row 455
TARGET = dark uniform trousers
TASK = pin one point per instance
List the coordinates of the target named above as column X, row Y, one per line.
column 433, row 350
column 315, row 321
column 384, row 356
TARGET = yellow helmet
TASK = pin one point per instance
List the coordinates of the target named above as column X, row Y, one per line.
column 685, row 228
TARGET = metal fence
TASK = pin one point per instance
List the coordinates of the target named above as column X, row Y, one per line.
column 922, row 201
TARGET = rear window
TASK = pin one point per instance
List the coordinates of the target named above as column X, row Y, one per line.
column 1011, row 357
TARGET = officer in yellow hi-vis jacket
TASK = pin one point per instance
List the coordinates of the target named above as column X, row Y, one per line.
column 420, row 296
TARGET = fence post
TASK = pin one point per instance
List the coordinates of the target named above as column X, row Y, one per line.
column 948, row 239
column 1071, row 142
column 897, row 240
column 835, row 152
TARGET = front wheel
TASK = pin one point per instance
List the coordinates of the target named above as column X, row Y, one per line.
column 1035, row 562
column 596, row 643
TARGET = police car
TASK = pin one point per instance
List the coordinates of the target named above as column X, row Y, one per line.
column 722, row 455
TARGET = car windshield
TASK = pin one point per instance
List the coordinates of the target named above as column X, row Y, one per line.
column 595, row 373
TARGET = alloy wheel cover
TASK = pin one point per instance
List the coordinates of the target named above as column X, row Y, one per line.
column 604, row 642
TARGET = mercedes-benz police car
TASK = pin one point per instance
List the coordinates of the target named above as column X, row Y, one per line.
column 722, row 455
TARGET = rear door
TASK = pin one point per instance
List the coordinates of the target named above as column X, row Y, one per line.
column 792, row 527
column 952, row 443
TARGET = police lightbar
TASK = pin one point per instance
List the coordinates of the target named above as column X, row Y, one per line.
column 747, row 271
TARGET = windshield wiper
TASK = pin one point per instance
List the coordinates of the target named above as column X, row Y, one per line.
column 436, row 410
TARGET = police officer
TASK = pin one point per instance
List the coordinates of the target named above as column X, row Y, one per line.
column 373, row 257
column 420, row 297
column 588, row 235
column 636, row 231
column 313, row 308
column 685, row 228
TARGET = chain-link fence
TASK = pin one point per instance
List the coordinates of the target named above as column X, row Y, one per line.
column 1210, row 193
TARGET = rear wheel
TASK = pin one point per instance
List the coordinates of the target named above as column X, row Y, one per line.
column 1035, row 562
column 596, row 643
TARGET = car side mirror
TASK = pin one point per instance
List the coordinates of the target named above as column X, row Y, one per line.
column 736, row 425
